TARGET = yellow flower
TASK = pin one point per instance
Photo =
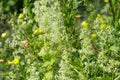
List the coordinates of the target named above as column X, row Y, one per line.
column 5, row 34
column 78, row 16
column 38, row 31
column 93, row 36
column 84, row 24
column 103, row 26
column 24, row 22
column 106, row 0
column 20, row 16
column 16, row 61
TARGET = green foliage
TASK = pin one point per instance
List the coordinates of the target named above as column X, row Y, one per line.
column 61, row 40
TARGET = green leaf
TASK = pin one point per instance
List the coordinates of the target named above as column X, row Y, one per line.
column 11, row 2
column 49, row 63
column 48, row 75
column 114, row 48
column 42, row 52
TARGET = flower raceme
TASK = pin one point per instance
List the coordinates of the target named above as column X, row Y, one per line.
column 84, row 24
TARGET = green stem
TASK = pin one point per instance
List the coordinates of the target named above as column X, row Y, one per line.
column 112, row 10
